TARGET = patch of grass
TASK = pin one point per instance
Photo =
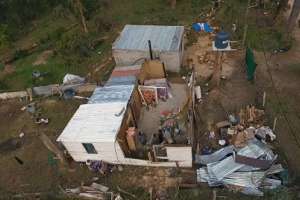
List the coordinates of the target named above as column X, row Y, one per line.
column 74, row 53
column 54, row 71
column 295, row 68
column 262, row 29
column 3, row 86
column 153, row 12
column 1, row 67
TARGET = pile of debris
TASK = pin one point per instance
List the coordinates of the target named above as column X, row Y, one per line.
column 97, row 191
column 94, row 191
column 172, row 128
column 246, row 163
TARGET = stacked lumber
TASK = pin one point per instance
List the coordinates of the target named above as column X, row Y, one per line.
column 251, row 115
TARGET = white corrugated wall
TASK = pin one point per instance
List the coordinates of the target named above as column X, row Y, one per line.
column 112, row 153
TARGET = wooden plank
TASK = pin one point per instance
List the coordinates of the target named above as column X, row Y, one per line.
column 52, row 147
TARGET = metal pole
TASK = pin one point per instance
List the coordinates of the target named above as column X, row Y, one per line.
column 150, row 50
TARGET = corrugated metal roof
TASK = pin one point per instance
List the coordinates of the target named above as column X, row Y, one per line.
column 163, row 38
column 216, row 156
column 94, row 123
column 122, row 71
column 122, row 80
column 97, row 120
column 112, row 93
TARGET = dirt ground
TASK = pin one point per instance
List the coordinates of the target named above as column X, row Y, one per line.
column 236, row 92
column 283, row 97
column 39, row 173
column 149, row 122
column 42, row 58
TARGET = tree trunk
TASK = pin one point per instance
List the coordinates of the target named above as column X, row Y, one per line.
column 80, row 9
column 173, row 4
column 294, row 15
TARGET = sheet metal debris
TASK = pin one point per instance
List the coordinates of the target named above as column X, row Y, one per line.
column 224, row 168
column 275, row 169
column 270, row 183
column 245, row 179
column 247, row 169
column 252, row 191
column 262, row 164
column 216, row 156
column 252, row 165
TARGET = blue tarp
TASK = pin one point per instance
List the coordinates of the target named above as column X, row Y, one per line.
column 202, row 27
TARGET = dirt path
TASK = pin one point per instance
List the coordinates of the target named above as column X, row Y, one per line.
column 285, row 71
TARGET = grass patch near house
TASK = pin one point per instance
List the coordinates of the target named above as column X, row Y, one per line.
column 79, row 53
column 266, row 29
column 53, row 71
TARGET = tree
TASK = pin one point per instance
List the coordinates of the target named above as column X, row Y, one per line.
column 78, row 5
column 173, row 3
column 293, row 16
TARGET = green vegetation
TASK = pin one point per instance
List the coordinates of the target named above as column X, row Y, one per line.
column 60, row 30
column 53, row 72
column 265, row 26
column 4, row 38
column 35, row 26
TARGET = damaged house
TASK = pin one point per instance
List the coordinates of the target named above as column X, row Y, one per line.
column 140, row 117
column 166, row 43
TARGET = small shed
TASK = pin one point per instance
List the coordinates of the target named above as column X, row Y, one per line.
column 91, row 133
column 132, row 46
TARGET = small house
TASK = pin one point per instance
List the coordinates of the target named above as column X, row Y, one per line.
column 109, row 127
column 139, row 42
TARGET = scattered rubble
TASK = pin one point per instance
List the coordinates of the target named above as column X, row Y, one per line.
column 247, row 164
column 94, row 191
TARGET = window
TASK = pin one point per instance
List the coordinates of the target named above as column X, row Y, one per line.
column 89, row 148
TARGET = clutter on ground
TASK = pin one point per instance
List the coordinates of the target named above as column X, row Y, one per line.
column 244, row 161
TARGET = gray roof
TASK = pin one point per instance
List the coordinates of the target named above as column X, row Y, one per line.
column 121, row 80
column 163, row 38
column 111, row 94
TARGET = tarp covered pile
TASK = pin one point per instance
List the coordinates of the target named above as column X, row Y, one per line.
column 247, row 165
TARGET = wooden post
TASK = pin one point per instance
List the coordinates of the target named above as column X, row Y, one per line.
column 274, row 123
column 264, row 99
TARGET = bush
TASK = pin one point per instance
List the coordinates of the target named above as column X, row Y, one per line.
column 3, row 86
column 53, row 36
column 4, row 39
column 1, row 66
column 20, row 54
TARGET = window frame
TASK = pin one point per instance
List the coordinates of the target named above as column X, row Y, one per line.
column 89, row 148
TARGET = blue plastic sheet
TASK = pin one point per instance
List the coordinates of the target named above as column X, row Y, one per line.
column 202, row 27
